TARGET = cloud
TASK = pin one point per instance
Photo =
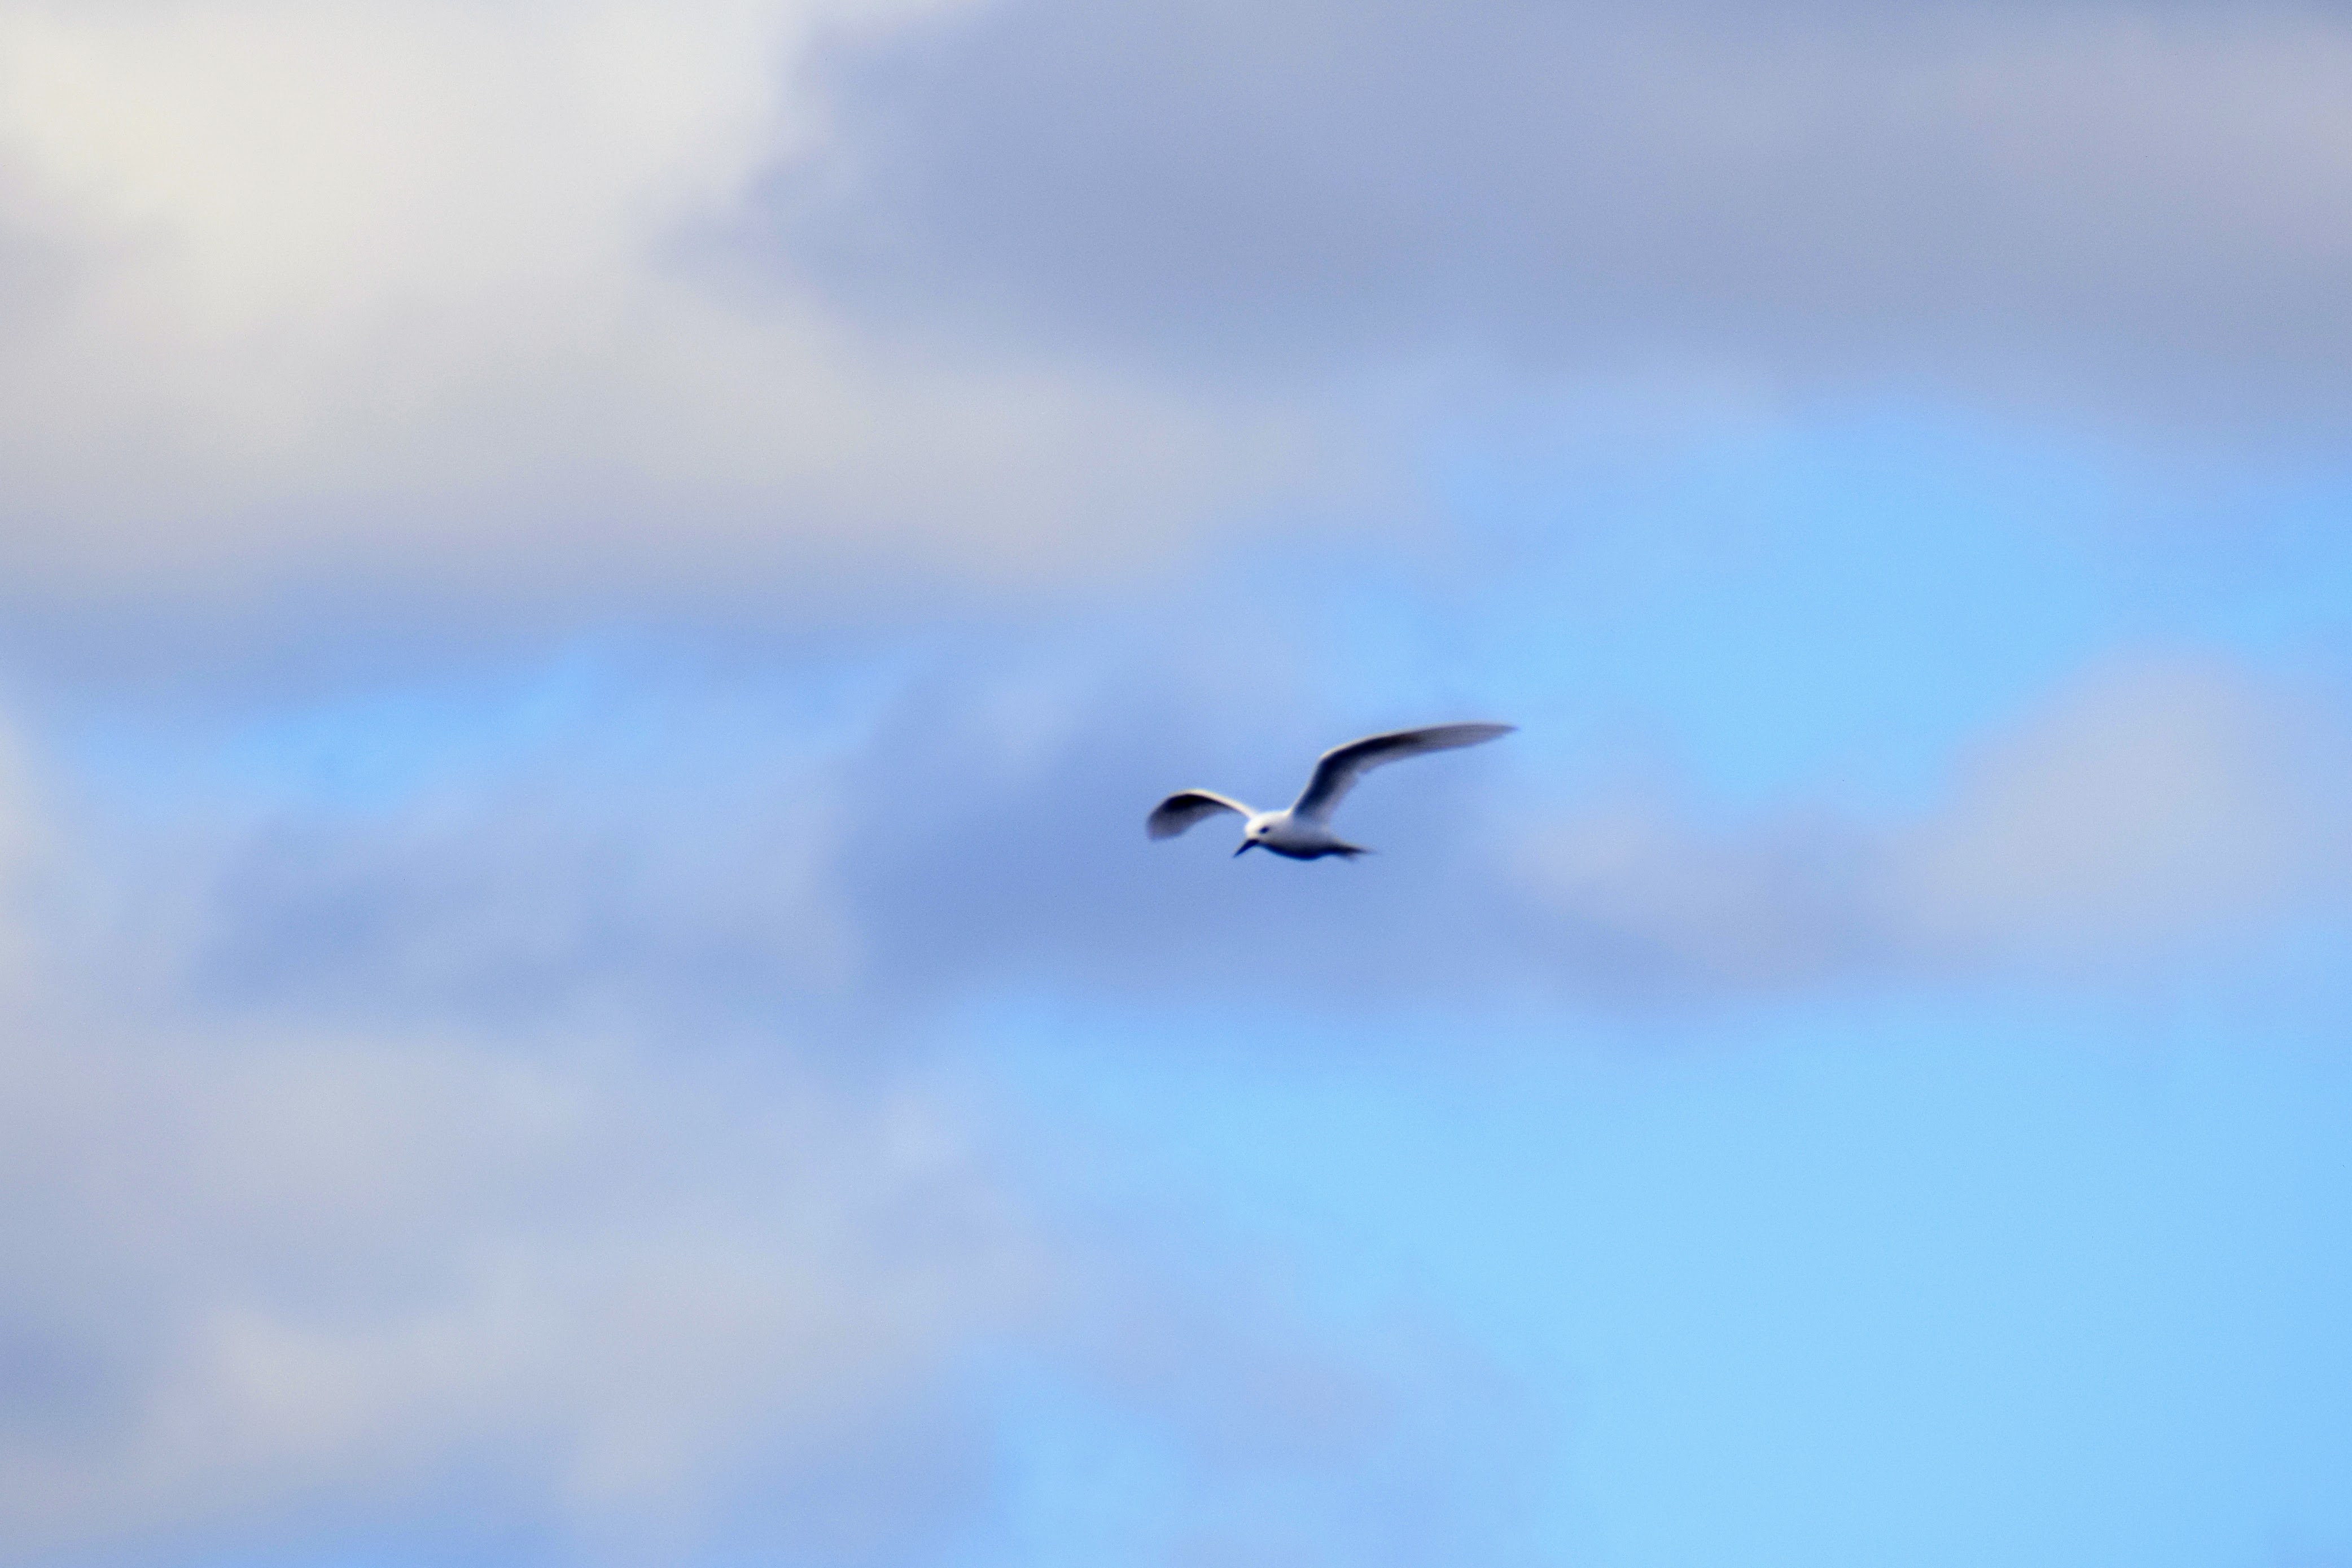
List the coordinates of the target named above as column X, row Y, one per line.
column 2155, row 809
column 532, row 1172
column 413, row 294
column 973, row 835
column 610, row 1288
column 576, row 1138
column 2158, row 811
column 975, row 829
column 1637, row 900
column 803, row 300
column 2158, row 802
column 250, row 1276
column 2111, row 203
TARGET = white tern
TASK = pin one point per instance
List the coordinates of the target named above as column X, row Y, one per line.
column 1304, row 831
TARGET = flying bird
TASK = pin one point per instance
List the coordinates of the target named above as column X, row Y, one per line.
column 1304, row 831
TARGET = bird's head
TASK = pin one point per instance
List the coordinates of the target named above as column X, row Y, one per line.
column 1252, row 837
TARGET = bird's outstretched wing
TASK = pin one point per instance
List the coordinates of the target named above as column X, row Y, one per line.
column 1338, row 770
column 1185, row 807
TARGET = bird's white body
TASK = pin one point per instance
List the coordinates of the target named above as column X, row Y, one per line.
column 1303, row 831
column 1287, row 833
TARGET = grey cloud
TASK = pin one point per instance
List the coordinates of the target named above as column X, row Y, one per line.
column 470, row 322
column 2144, row 202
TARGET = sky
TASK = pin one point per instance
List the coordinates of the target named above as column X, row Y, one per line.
column 592, row 598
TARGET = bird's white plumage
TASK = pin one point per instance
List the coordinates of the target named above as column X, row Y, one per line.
column 1336, row 771
column 1302, row 832
column 1185, row 807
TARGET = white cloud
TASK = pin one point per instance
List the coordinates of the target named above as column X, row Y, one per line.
column 633, row 1270
column 2155, row 809
column 416, row 290
column 611, row 1277
column 1653, row 898
column 601, row 1280
column 267, row 1274
column 604, row 1273
column 2158, row 802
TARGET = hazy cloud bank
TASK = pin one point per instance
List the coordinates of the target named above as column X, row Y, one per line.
column 772, row 296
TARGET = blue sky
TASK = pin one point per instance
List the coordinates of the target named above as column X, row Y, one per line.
column 593, row 603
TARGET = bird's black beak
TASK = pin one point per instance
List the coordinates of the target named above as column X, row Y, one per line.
column 1247, row 844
